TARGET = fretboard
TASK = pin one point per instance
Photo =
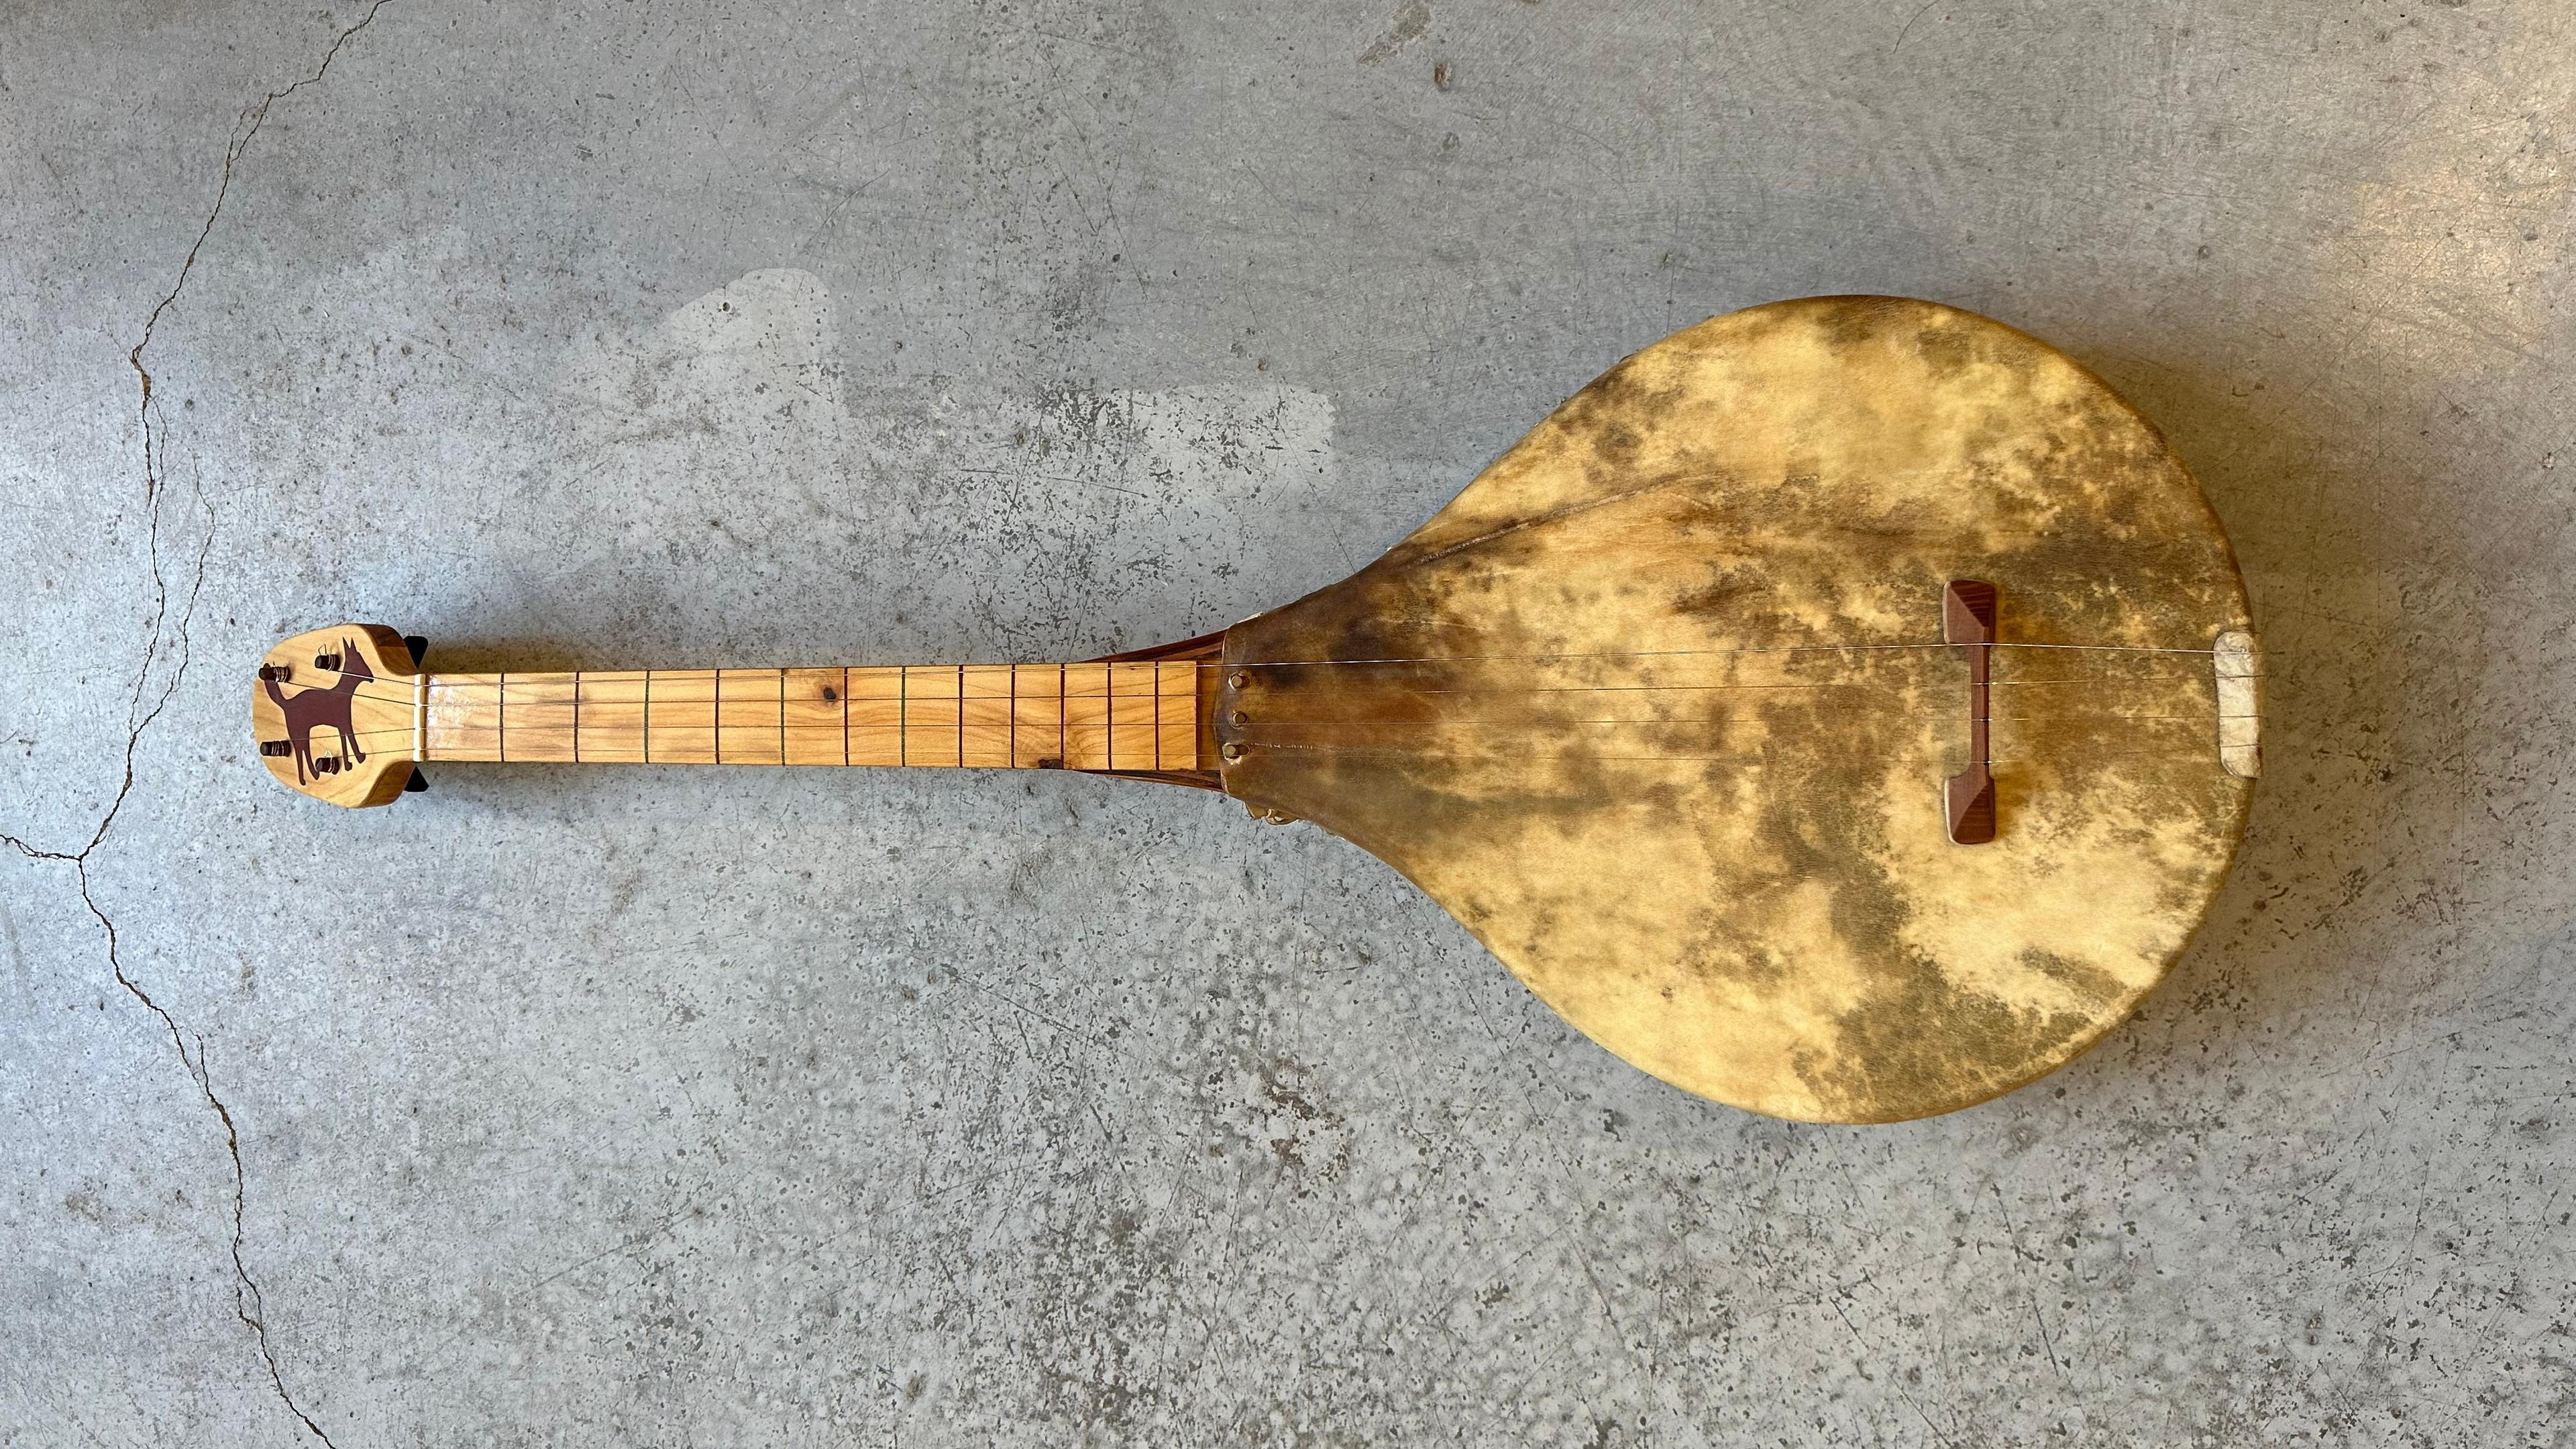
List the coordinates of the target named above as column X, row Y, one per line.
column 1112, row 716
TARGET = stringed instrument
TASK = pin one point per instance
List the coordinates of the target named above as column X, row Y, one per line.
column 1845, row 709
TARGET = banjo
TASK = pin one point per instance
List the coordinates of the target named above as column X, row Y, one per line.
column 1845, row 709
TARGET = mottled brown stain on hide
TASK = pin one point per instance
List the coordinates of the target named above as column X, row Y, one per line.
column 1730, row 867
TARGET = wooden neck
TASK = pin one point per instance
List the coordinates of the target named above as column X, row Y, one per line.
column 1117, row 717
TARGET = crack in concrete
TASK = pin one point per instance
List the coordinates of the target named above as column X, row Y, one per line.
column 251, row 120
column 169, row 643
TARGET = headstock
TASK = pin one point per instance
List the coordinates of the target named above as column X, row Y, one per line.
column 336, row 712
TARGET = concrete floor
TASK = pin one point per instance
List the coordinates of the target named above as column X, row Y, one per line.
column 694, row 1107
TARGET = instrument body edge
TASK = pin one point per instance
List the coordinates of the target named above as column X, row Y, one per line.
column 1656, row 719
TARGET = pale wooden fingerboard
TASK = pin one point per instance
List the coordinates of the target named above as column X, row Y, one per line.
column 1102, row 716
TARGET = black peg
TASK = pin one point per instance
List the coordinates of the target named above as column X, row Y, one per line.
column 417, row 783
column 418, row 644
column 275, row 673
column 276, row 749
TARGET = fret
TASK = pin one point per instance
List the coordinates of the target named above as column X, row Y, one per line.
column 809, row 724
column 750, row 710
column 1086, row 716
column 930, row 715
column 876, row 717
column 535, row 713
column 1124, row 716
column 681, row 708
column 464, row 717
column 1037, row 716
column 1176, row 715
column 611, row 724
column 1131, row 716
column 984, row 710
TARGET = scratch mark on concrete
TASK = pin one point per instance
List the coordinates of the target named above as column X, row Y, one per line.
column 1835, row 1302
column 2012, row 1236
column 1908, row 28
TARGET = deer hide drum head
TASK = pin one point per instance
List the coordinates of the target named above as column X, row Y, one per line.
column 1659, row 709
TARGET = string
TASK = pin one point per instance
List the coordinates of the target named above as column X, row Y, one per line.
column 1766, row 757
column 407, row 701
column 1542, row 725
column 469, row 696
column 1769, row 757
column 1537, row 726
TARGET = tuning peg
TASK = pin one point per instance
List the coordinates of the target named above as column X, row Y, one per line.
column 418, row 645
column 417, row 783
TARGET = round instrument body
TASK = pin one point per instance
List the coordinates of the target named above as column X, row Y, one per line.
column 1660, row 708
